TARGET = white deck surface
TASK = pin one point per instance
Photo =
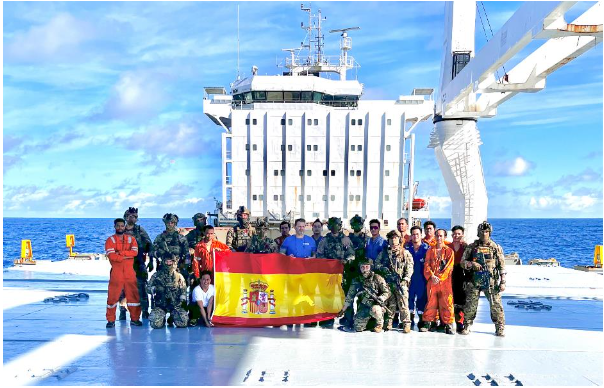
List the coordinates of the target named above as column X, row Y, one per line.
column 67, row 343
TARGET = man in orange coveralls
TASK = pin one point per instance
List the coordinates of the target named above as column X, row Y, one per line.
column 437, row 270
column 204, row 250
column 121, row 249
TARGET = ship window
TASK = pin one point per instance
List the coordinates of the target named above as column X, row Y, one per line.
column 282, row 121
column 281, row 197
column 301, row 172
column 282, row 172
column 387, row 172
column 238, row 97
column 333, row 172
column 254, row 121
column 333, row 197
column 387, row 197
column 315, row 148
column 353, row 122
column 351, row 197
column 357, row 198
column 300, row 197
column 290, row 147
column 306, row 96
column 309, row 122
column 275, row 197
column 276, row 172
column 290, row 121
column 316, row 121
column 259, row 96
column 351, row 172
column 255, row 197
column 247, row 172
column 315, row 214
column 358, row 172
column 308, row 197
column 324, row 172
column 261, row 197
column 388, row 147
column 327, row 97
column 308, row 147
column 352, row 147
column 325, row 198
column 291, row 96
column 360, row 122
column 274, row 96
column 389, row 122
column 316, row 97
column 360, row 148
column 247, row 147
column 229, row 198
column 229, row 147
column 229, row 173
column 255, row 147
column 309, row 172
column 385, row 222
column 247, row 121
column 248, row 97
column 282, row 147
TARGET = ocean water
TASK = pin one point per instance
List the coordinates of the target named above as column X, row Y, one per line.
column 570, row 241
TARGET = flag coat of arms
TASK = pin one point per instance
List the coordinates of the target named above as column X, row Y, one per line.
column 274, row 289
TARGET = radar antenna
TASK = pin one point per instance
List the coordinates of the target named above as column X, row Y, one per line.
column 345, row 46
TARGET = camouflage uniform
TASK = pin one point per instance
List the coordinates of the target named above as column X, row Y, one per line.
column 488, row 280
column 172, row 244
column 144, row 243
column 351, row 269
column 398, row 278
column 170, row 292
column 368, row 307
column 260, row 242
column 337, row 247
column 237, row 238
column 196, row 235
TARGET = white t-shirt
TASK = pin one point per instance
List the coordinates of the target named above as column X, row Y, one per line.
column 199, row 294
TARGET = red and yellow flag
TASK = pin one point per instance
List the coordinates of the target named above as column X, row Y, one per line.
column 274, row 289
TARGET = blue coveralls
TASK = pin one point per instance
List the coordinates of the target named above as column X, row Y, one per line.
column 417, row 288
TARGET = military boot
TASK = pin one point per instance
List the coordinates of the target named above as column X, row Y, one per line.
column 406, row 327
column 420, row 322
column 170, row 321
column 466, row 328
column 145, row 315
column 458, row 327
column 412, row 321
column 378, row 329
column 136, row 323
column 499, row 330
column 122, row 313
column 110, row 325
column 449, row 329
column 425, row 326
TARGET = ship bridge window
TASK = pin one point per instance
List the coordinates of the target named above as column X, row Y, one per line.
column 258, row 96
column 291, row 96
column 317, row 97
column 274, row 96
column 306, row 96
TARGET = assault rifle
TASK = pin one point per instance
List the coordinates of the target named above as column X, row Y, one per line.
column 375, row 298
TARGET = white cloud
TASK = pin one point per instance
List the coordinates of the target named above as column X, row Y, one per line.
column 516, row 167
column 543, row 202
column 568, row 202
column 439, row 204
column 579, row 202
column 55, row 39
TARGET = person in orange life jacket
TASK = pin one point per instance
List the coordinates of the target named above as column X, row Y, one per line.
column 437, row 271
column 121, row 249
column 460, row 275
column 429, row 229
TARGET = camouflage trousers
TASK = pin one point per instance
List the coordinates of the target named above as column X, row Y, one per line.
column 494, row 298
column 365, row 313
column 399, row 301
column 142, row 294
column 157, row 318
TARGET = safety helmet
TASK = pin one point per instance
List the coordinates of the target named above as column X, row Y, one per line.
column 131, row 210
column 485, row 226
column 169, row 217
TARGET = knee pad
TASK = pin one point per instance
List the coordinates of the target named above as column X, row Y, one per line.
column 181, row 318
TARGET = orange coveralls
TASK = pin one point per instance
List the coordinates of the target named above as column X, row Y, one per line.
column 440, row 296
column 204, row 258
column 430, row 242
column 121, row 251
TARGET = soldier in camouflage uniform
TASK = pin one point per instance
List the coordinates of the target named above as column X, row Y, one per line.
column 486, row 263
column 335, row 245
column 238, row 237
column 395, row 264
column 351, row 270
column 260, row 242
column 373, row 292
column 169, row 289
column 196, row 235
column 171, row 243
column 140, row 268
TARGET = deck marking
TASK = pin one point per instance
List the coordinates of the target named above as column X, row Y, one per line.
column 262, row 376
column 247, row 375
column 285, row 376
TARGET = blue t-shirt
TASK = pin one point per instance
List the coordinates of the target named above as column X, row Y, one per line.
column 419, row 259
column 299, row 247
column 374, row 247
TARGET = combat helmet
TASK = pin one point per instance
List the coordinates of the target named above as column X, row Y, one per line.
column 131, row 210
column 261, row 223
column 198, row 215
column 333, row 221
column 365, row 261
column 485, row 226
column 169, row 217
column 357, row 220
column 394, row 233
column 244, row 223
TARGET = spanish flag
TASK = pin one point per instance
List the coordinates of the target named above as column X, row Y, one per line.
column 274, row 289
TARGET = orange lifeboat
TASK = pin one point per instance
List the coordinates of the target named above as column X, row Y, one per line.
column 418, row 204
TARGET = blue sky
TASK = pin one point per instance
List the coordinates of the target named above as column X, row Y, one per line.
column 103, row 104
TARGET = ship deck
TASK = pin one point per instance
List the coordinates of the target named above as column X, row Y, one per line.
column 67, row 343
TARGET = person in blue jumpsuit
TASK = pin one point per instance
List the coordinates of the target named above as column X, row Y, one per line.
column 417, row 288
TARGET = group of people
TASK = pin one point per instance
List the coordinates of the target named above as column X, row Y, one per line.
column 410, row 272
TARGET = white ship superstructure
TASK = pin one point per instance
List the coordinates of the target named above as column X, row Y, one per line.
column 303, row 145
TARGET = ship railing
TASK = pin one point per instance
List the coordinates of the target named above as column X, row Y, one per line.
column 242, row 105
column 326, row 60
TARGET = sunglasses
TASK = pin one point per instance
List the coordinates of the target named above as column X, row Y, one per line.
column 374, row 227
